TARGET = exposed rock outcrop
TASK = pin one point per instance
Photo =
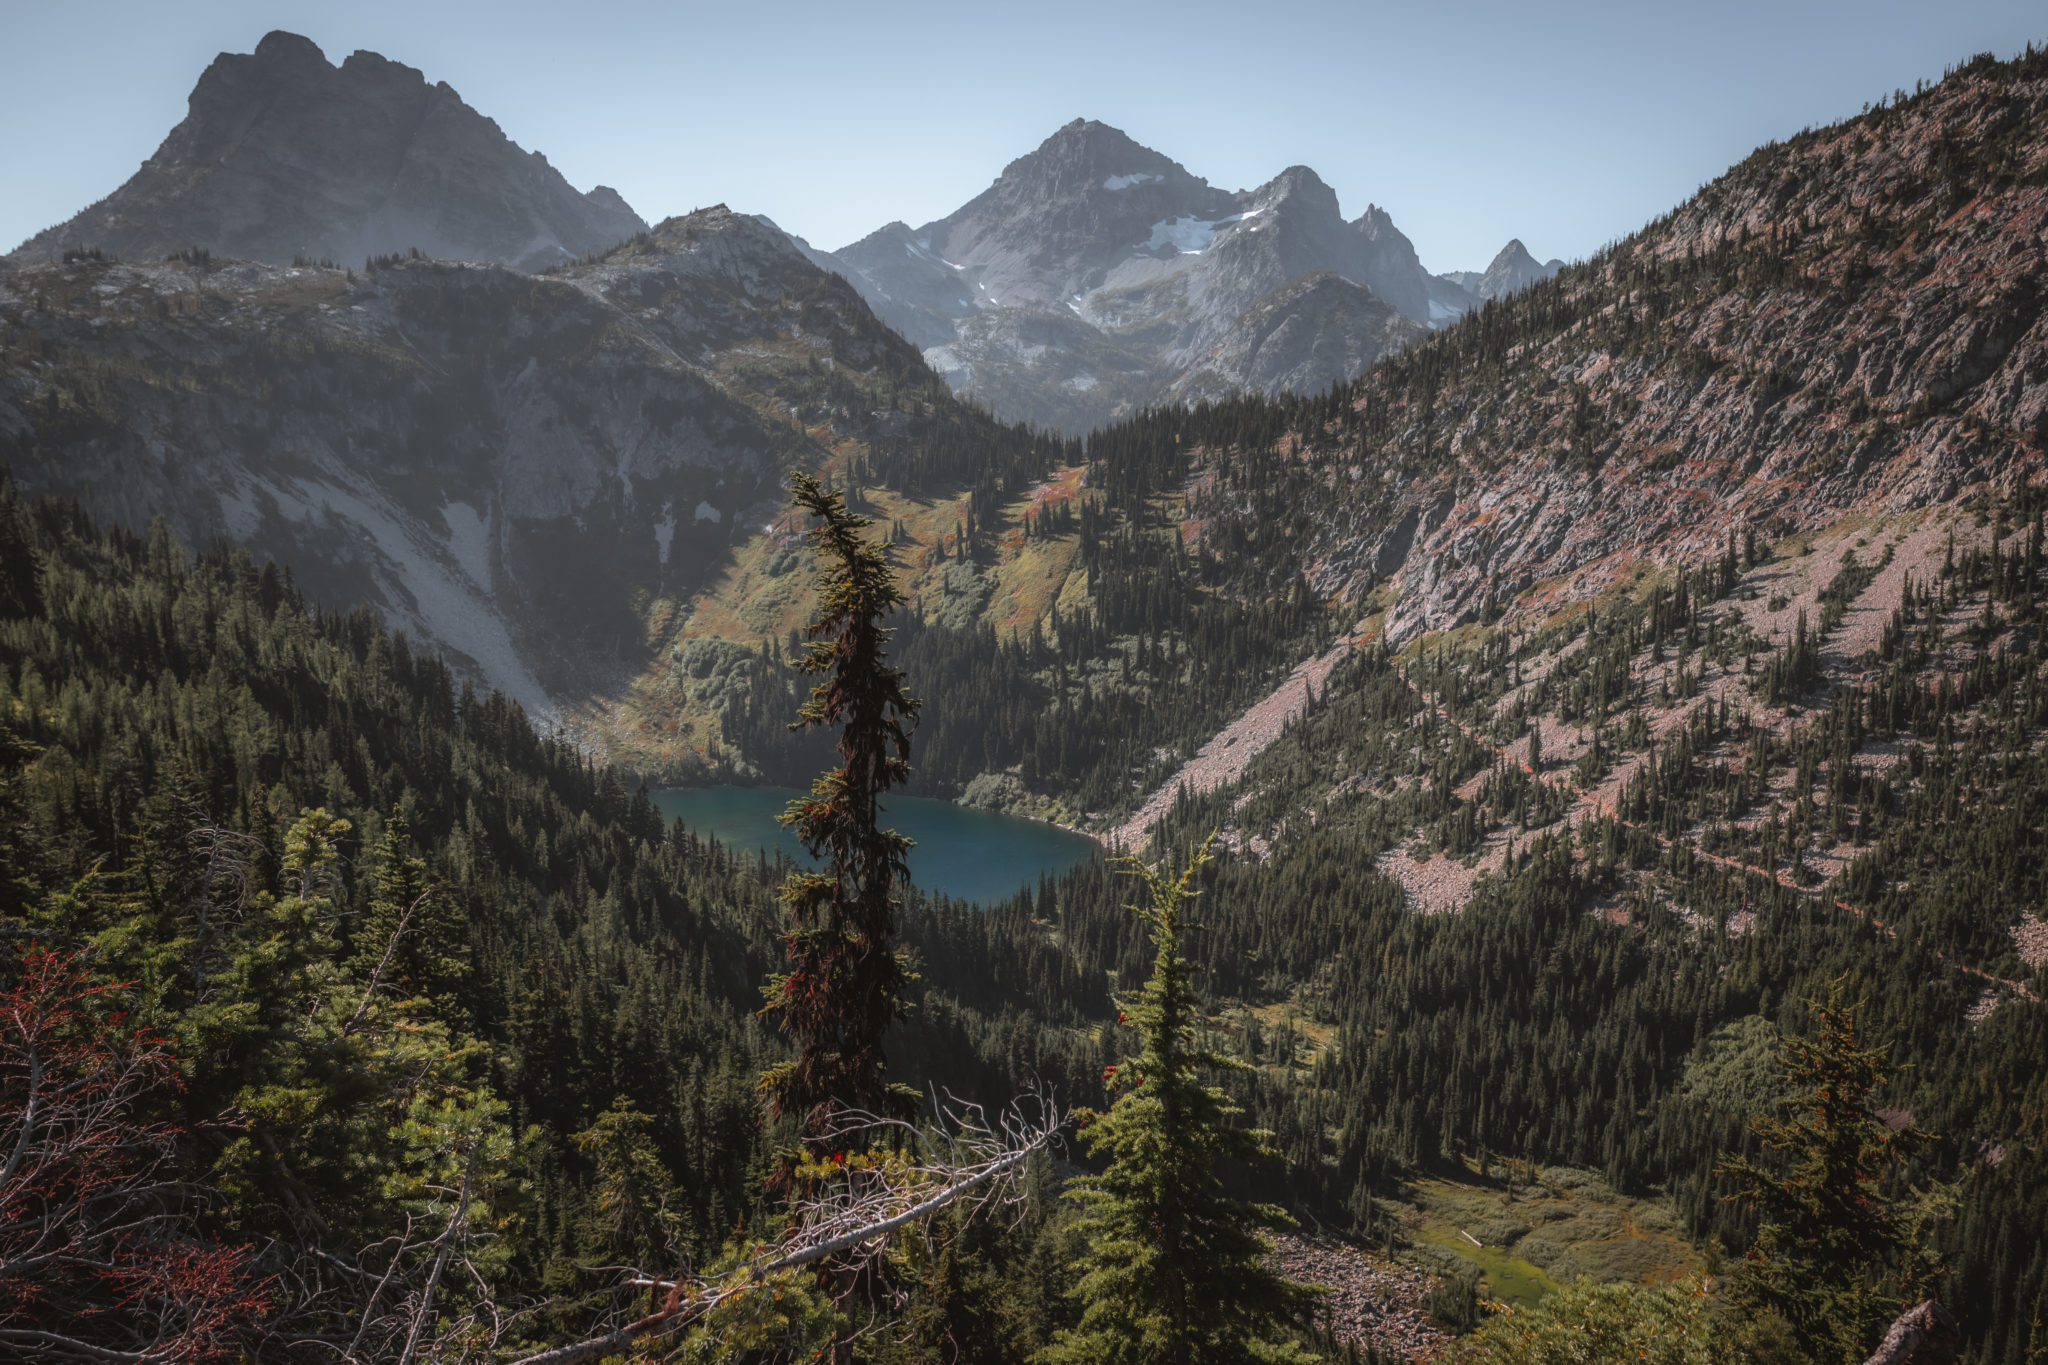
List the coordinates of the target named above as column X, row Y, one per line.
column 1923, row 1335
column 1850, row 321
column 1320, row 330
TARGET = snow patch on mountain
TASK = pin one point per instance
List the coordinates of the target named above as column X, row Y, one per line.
column 416, row 585
column 469, row 540
column 1191, row 236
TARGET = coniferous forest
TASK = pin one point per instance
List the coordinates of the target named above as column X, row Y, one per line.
column 1643, row 960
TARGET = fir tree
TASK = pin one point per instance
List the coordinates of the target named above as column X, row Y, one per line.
column 631, row 1219
column 1175, row 1270
column 844, row 986
column 1836, row 1256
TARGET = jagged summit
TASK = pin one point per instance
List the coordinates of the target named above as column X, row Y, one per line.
column 1095, row 274
column 283, row 155
column 1512, row 269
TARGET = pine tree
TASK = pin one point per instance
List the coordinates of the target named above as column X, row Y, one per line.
column 1175, row 1270
column 412, row 942
column 1835, row 1256
column 631, row 1220
column 845, row 983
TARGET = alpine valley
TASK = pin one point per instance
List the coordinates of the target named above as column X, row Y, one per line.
column 1613, row 697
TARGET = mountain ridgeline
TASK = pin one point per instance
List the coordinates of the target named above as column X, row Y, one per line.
column 1096, row 277
column 510, row 466
column 284, row 156
column 1597, row 687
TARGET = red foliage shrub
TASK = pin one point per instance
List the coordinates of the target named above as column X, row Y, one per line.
column 99, row 1254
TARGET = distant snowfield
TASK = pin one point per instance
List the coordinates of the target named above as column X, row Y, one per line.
column 1191, row 236
column 1124, row 182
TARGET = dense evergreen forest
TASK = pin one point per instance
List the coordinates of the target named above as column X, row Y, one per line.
column 1173, row 636
column 365, row 978
column 399, row 943
column 389, row 931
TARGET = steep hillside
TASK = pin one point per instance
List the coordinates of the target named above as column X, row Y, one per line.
column 1698, row 665
column 1848, row 321
column 384, row 925
column 512, row 467
column 284, row 156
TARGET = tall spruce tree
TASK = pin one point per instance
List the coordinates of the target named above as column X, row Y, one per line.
column 845, row 982
column 1836, row 1255
column 1175, row 1270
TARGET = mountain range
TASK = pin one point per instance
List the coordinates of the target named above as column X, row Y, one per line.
column 1585, row 697
column 500, row 459
column 1097, row 276
column 508, row 466
column 1094, row 277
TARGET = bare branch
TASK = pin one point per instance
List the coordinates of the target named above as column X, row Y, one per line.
column 856, row 1212
column 447, row 1243
column 370, row 991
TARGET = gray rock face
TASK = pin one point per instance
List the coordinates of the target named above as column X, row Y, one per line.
column 497, row 461
column 1096, row 276
column 283, row 155
column 1319, row 330
column 908, row 286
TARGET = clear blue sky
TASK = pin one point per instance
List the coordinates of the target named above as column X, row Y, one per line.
column 1563, row 124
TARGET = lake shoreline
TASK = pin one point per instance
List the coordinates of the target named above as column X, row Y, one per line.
column 1100, row 841
column 963, row 852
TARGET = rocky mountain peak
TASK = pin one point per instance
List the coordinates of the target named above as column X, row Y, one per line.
column 283, row 155
column 1512, row 269
column 1513, row 256
column 1375, row 222
column 283, row 50
column 1094, row 145
column 1088, row 161
column 1136, row 274
column 1303, row 187
column 1059, row 218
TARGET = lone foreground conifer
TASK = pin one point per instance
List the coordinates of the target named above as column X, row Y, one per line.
column 1836, row 1255
column 1175, row 1270
column 844, row 986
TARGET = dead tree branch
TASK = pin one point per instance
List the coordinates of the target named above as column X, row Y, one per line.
column 854, row 1213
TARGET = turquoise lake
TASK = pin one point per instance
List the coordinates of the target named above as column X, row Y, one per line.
column 971, row 855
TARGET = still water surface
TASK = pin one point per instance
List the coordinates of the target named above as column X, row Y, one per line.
column 968, row 854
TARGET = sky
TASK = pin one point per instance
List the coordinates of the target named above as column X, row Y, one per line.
column 1566, row 125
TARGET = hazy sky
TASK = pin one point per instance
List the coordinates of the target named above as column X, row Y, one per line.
column 1563, row 124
